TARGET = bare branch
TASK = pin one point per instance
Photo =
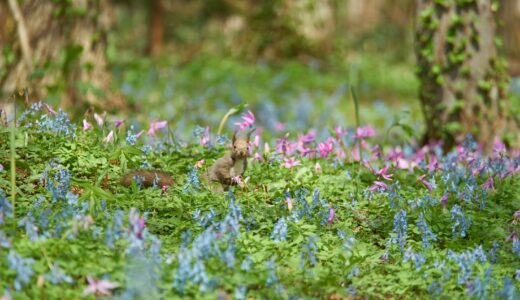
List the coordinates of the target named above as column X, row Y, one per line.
column 22, row 33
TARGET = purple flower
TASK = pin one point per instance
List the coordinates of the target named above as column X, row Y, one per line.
column 365, row 132
column 382, row 172
column 489, row 184
column 332, row 215
column 109, row 137
column 99, row 287
column 154, row 126
column 86, row 125
column 49, row 109
column 308, row 138
column 100, row 119
column 290, row 162
column 444, row 199
column 516, row 215
column 378, row 185
column 325, row 148
column 118, row 123
column 427, row 184
column 248, row 120
column 340, row 132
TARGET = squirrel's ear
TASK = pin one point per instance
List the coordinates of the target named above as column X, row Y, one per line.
column 249, row 134
column 234, row 137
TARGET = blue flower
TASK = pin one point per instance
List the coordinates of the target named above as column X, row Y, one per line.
column 56, row 275
column 427, row 234
column 22, row 267
column 192, row 181
column 246, row 264
column 460, row 221
column 279, row 232
column 400, row 228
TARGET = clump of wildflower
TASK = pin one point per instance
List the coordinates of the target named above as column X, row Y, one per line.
column 156, row 126
column 57, row 180
column 279, row 232
column 192, row 181
column 400, row 228
column 309, row 252
column 6, row 209
column 99, row 287
column 58, row 124
column 417, row 258
column 290, row 162
column 460, row 222
column 248, row 119
column 426, row 232
column 22, row 267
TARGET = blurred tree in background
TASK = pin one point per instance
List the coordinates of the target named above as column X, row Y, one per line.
column 463, row 81
column 75, row 46
column 58, row 48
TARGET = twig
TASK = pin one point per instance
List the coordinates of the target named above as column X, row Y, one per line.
column 22, row 33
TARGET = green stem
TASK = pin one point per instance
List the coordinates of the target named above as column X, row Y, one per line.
column 358, row 122
column 13, row 168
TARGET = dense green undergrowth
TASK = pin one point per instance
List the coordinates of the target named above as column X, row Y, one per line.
column 319, row 226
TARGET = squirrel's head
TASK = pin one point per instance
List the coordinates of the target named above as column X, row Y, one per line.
column 240, row 146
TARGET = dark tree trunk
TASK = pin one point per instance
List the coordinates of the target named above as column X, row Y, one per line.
column 67, row 42
column 156, row 34
column 463, row 86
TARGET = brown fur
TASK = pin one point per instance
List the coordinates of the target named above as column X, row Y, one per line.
column 220, row 171
column 161, row 178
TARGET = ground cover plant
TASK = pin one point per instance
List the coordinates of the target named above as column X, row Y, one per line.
column 320, row 214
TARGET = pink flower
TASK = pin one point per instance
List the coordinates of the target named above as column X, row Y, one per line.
column 100, row 119
column 49, row 109
column 279, row 126
column 378, row 185
column 154, row 126
column 256, row 141
column 86, row 125
column 317, row 167
column 489, row 184
column 204, row 139
column 290, row 162
column 365, row 132
column 118, row 123
column 139, row 134
column 99, row 287
column 427, row 184
column 382, row 172
column 267, row 149
column 444, row 199
column 325, row 148
column 289, row 203
column 199, row 164
column 498, row 147
column 307, row 138
column 340, row 132
column 258, row 157
column 248, row 120
column 109, row 137
column 332, row 215
column 433, row 164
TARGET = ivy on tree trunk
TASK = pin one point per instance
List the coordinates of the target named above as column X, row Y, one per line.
column 463, row 84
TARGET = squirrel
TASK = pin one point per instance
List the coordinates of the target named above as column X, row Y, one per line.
column 147, row 178
column 232, row 164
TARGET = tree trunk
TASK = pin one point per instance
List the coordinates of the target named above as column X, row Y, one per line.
column 510, row 15
column 156, row 42
column 67, row 42
column 463, row 86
